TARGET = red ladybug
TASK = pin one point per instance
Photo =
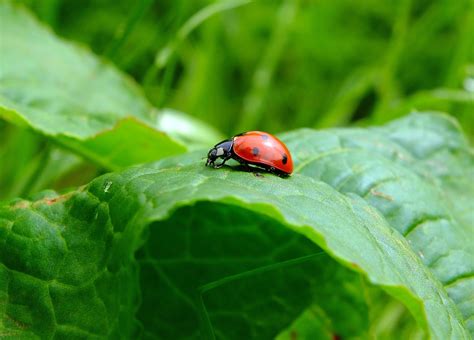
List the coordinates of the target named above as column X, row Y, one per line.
column 256, row 148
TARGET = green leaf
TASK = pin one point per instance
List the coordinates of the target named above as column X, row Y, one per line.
column 112, row 148
column 244, row 264
column 418, row 172
column 63, row 91
column 190, row 131
column 442, row 155
column 191, row 251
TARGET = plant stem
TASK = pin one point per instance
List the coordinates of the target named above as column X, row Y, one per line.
column 164, row 55
column 387, row 85
column 124, row 32
column 357, row 84
column 253, row 103
column 461, row 55
column 34, row 174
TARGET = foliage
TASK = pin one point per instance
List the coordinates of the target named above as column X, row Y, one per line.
column 197, row 233
column 375, row 225
column 301, row 63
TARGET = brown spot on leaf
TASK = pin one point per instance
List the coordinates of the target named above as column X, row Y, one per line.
column 50, row 201
column 53, row 200
column 381, row 194
column 21, row 205
column 17, row 323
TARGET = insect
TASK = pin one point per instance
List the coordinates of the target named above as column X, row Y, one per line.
column 255, row 148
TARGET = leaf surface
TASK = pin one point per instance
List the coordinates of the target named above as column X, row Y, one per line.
column 177, row 249
column 418, row 172
column 63, row 91
column 175, row 262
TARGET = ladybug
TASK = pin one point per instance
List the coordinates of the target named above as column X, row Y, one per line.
column 256, row 148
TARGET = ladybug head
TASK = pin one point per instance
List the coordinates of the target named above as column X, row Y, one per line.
column 211, row 156
column 220, row 150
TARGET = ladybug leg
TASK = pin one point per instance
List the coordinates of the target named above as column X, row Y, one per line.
column 217, row 166
column 247, row 167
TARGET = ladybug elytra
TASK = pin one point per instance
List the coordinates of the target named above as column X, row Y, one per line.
column 256, row 148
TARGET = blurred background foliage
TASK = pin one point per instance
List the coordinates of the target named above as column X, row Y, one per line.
column 269, row 65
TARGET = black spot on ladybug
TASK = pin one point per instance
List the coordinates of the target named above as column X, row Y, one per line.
column 255, row 151
column 284, row 159
column 264, row 137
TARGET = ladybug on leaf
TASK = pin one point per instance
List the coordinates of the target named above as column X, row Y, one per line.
column 253, row 148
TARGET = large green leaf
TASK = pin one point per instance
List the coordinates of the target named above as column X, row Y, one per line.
column 63, row 91
column 418, row 172
column 189, row 250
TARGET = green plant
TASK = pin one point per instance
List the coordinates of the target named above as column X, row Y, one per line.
column 370, row 236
